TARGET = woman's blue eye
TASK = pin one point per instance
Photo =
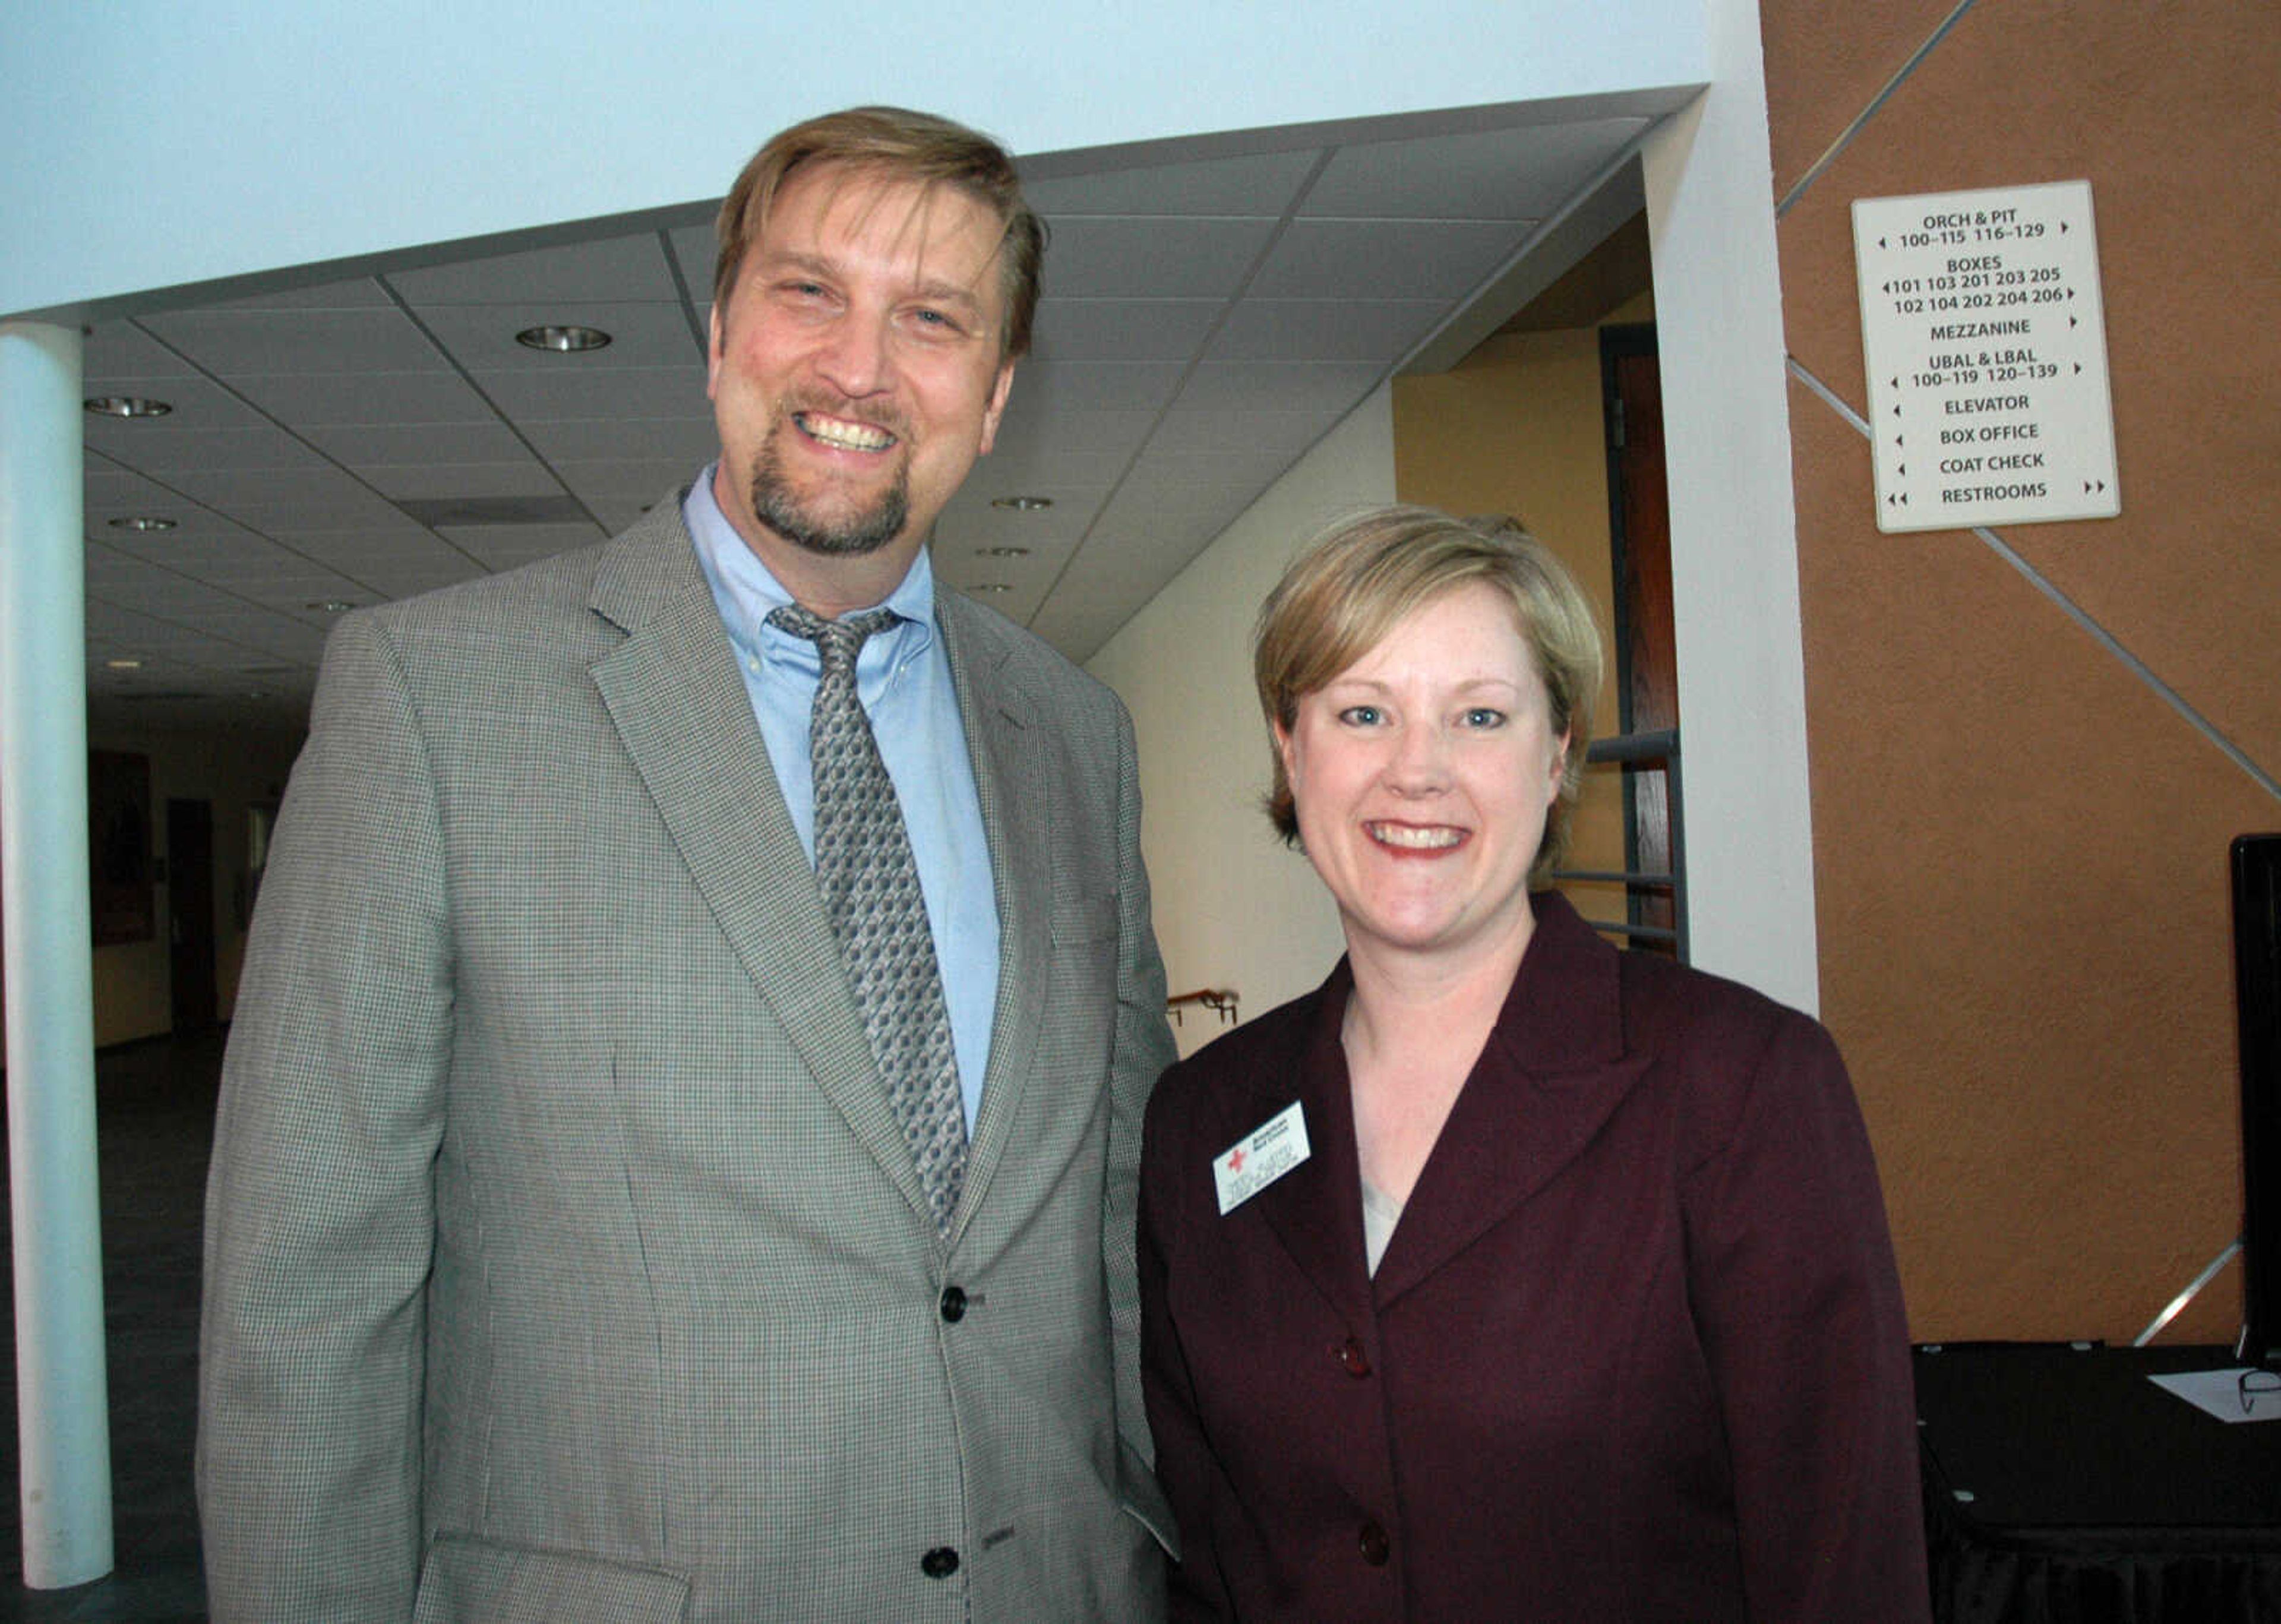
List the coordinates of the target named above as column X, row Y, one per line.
column 1482, row 715
column 1360, row 716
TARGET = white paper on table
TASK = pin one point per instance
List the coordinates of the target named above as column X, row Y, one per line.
column 2218, row 1393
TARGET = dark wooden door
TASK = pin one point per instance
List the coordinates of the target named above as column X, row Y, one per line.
column 1647, row 670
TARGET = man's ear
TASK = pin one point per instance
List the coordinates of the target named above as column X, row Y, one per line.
column 713, row 351
column 997, row 407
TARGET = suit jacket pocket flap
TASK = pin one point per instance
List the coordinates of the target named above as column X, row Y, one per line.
column 472, row 1578
column 1082, row 919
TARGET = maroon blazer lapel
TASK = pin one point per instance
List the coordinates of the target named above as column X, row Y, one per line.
column 1551, row 1074
column 1314, row 1211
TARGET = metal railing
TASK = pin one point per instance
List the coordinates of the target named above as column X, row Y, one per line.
column 1656, row 750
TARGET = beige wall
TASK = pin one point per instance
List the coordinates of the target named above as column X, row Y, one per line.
column 1234, row 909
column 132, row 994
column 2020, row 848
column 1516, row 429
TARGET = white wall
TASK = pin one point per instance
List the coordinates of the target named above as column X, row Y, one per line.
column 152, row 144
column 1235, row 908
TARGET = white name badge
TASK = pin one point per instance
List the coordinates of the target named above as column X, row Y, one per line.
column 1260, row 1157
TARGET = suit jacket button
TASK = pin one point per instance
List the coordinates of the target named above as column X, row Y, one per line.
column 1351, row 1355
column 1376, row 1548
column 942, row 1562
column 953, row 1305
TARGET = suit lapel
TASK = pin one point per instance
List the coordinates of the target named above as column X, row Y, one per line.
column 681, row 711
column 1015, row 785
column 1315, row 1210
column 1552, row 1073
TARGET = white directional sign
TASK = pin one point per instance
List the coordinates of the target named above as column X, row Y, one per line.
column 1985, row 339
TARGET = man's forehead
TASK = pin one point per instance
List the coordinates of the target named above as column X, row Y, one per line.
column 954, row 236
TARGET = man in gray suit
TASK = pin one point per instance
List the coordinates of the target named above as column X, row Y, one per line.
column 590, row 1237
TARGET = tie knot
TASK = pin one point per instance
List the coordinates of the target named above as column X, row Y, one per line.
column 836, row 641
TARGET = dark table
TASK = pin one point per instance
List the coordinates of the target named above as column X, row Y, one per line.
column 2062, row 1487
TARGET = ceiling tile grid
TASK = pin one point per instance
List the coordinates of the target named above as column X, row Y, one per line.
column 1205, row 323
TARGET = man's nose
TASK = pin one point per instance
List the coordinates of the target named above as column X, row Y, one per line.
column 857, row 357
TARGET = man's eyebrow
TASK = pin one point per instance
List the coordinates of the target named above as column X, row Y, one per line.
column 939, row 290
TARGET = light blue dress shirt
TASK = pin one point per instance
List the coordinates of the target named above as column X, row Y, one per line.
column 902, row 677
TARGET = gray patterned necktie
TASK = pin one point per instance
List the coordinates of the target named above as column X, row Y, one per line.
column 871, row 889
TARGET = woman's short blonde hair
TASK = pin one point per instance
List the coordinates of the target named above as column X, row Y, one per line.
column 1359, row 578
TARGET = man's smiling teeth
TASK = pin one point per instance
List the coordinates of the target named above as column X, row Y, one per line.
column 1413, row 838
column 838, row 431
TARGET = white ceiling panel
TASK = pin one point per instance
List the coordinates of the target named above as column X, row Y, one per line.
column 1330, row 387
column 193, row 402
column 1257, row 183
column 357, row 292
column 1514, row 175
column 419, row 481
column 164, row 452
column 245, row 343
column 643, row 391
column 481, row 337
column 1380, row 330
column 122, row 351
column 244, row 492
column 1081, row 329
column 1275, row 433
column 366, row 446
column 1440, row 259
column 1157, row 258
column 603, row 272
column 687, row 441
column 1042, row 388
column 311, row 400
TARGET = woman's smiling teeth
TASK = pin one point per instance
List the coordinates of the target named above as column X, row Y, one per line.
column 843, row 434
column 1409, row 836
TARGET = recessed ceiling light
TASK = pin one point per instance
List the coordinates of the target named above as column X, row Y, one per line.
column 990, row 587
column 331, row 606
column 126, row 406
column 1023, row 504
column 144, row 522
column 1002, row 552
column 562, row 340
column 122, row 665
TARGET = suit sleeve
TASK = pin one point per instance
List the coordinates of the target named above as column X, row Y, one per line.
column 1144, row 1048
column 1798, row 1302
column 320, row 1205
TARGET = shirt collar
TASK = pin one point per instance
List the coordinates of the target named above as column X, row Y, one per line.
column 744, row 589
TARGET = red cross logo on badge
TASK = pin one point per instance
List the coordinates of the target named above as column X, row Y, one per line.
column 1235, row 1160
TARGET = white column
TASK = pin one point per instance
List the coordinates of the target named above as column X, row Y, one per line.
column 1748, row 831
column 63, row 1422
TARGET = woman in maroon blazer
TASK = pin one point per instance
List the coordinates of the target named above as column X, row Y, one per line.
column 1507, row 1276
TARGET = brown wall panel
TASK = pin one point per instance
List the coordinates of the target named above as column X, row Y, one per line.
column 2020, row 846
